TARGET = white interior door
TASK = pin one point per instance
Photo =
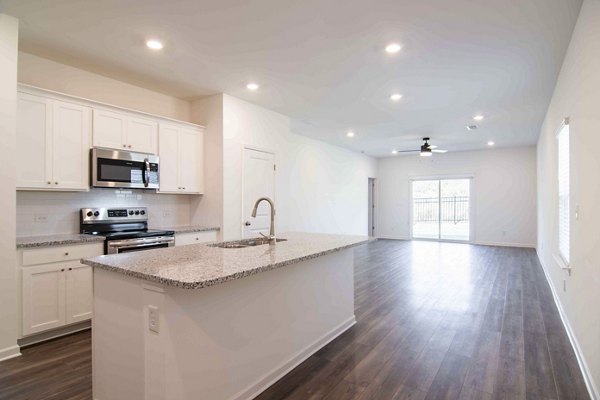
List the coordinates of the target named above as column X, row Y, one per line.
column 258, row 181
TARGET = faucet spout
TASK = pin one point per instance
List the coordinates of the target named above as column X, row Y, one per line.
column 272, row 227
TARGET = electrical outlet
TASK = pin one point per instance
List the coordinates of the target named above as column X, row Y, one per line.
column 153, row 324
column 40, row 218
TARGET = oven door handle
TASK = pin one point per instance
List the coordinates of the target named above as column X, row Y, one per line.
column 146, row 172
column 140, row 242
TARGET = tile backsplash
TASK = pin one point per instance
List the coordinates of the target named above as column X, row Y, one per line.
column 44, row 213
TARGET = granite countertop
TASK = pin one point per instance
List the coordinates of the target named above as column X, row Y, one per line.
column 189, row 228
column 56, row 240
column 197, row 266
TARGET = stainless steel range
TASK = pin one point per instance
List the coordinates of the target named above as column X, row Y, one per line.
column 125, row 229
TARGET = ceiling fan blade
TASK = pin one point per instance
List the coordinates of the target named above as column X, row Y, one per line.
column 432, row 146
column 439, row 151
column 406, row 151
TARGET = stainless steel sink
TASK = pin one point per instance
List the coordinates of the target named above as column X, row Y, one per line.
column 240, row 244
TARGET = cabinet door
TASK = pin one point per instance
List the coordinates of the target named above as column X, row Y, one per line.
column 109, row 129
column 78, row 293
column 182, row 239
column 142, row 135
column 168, row 148
column 188, row 160
column 43, row 298
column 34, row 138
column 71, row 135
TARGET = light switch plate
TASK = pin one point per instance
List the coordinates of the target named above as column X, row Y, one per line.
column 153, row 319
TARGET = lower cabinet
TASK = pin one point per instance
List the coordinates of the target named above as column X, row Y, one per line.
column 181, row 239
column 55, row 294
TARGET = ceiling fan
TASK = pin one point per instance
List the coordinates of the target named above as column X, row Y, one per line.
column 426, row 149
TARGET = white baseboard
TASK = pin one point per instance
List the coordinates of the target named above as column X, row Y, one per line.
column 506, row 244
column 10, row 352
column 277, row 373
column 481, row 243
column 587, row 377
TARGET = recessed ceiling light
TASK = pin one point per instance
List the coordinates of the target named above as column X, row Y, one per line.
column 252, row 86
column 491, row 143
column 350, row 134
column 154, row 44
column 478, row 117
column 395, row 97
column 394, row 151
column 393, row 48
column 472, row 127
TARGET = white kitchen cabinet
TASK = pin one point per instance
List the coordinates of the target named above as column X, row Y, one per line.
column 43, row 298
column 181, row 159
column 120, row 131
column 56, row 289
column 109, row 129
column 52, row 144
column 78, row 293
column 181, row 239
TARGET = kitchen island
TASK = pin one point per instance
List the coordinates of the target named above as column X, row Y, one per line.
column 218, row 321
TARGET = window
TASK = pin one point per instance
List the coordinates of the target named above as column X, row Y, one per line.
column 563, row 192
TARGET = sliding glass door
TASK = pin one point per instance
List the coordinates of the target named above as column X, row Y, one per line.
column 441, row 209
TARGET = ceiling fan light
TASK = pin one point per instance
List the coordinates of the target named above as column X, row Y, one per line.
column 425, row 153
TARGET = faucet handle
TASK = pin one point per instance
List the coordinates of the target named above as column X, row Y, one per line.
column 263, row 235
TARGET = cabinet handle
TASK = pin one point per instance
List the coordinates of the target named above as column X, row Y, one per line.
column 70, row 269
column 129, row 146
column 56, row 183
column 62, row 270
column 49, row 183
column 125, row 145
column 197, row 238
column 183, row 188
column 66, row 253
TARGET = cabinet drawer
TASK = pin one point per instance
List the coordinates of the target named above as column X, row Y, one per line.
column 182, row 239
column 52, row 254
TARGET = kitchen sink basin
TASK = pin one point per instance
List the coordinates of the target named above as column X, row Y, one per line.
column 240, row 244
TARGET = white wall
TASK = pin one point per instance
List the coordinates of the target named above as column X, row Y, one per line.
column 577, row 96
column 208, row 208
column 504, row 192
column 45, row 213
column 318, row 187
column 9, row 29
column 52, row 75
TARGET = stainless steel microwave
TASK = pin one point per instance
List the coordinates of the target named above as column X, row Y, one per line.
column 124, row 169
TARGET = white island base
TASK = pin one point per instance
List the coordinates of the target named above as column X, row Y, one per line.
column 228, row 341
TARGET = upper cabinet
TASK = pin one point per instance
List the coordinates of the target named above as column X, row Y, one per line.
column 53, row 137
column 115, row 130
column 181, row 154
column 55, row 133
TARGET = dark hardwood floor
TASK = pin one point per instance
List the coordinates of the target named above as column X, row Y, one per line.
column 435, row 321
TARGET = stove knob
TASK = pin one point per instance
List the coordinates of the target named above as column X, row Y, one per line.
column 137, row 212
column 89, row 213
column 96, row 213
column 142, row 212
column 130, row 212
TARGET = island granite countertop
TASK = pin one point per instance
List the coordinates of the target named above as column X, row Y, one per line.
column 56, row 240
column 198, row 266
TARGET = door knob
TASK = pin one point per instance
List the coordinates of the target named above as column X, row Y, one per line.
column 247, row 223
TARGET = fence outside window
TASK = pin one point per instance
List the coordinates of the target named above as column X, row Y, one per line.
column 454, row 209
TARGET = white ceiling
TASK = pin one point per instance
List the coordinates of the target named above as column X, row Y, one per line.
column 322, row 62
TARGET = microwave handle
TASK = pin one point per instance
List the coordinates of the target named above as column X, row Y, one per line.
column 146, row 172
